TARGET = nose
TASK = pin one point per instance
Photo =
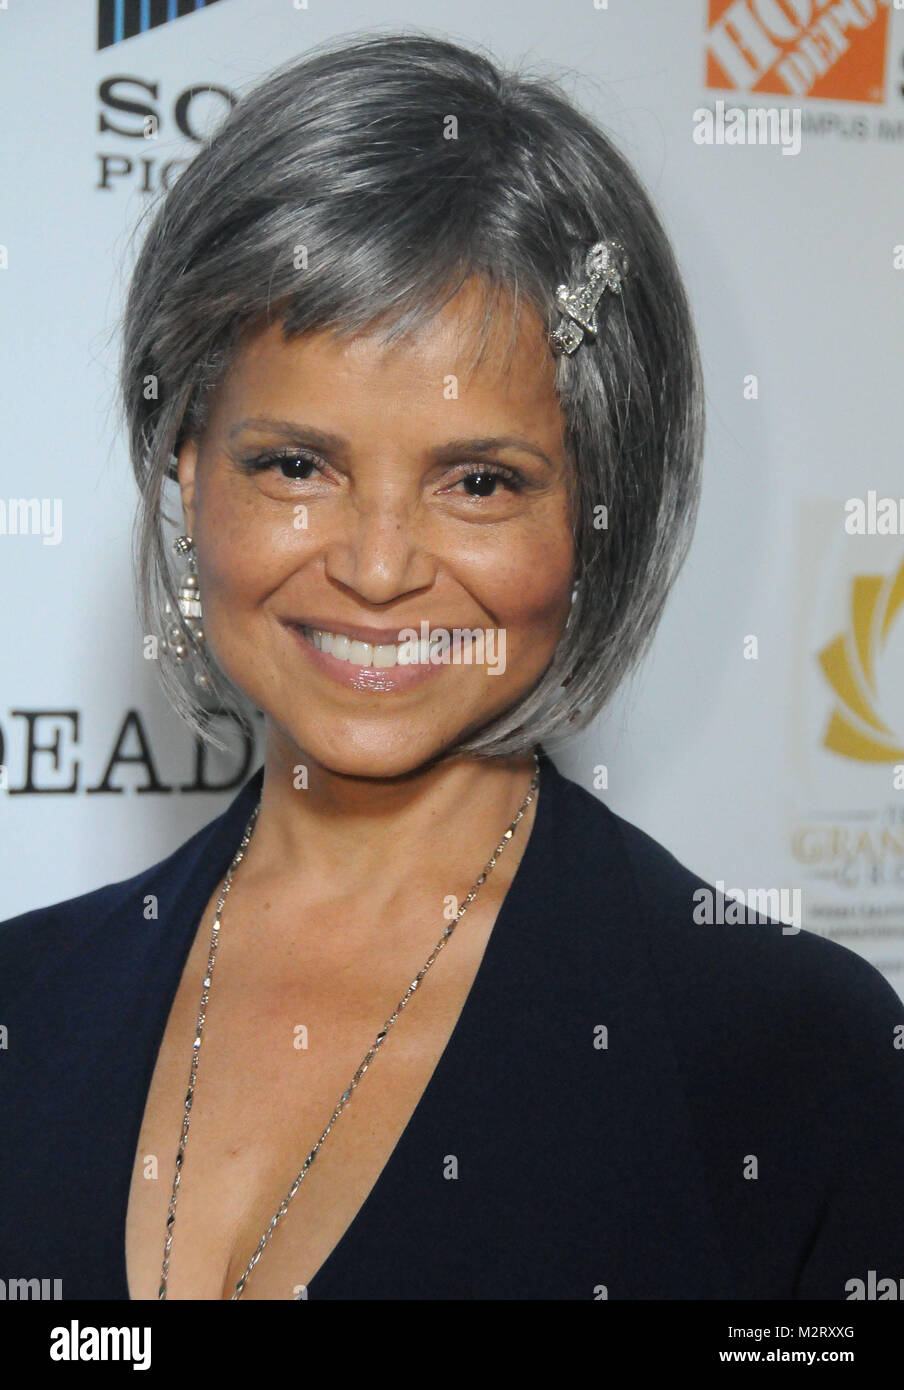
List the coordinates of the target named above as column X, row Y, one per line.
column 376, row 550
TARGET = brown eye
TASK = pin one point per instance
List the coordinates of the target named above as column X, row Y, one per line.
column 482, row 484
column 294, row 466
column 483, row 481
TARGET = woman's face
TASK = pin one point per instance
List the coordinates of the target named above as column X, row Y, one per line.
column 361, row 489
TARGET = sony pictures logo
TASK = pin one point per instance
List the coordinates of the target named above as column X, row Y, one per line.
column 124, row 19
column 834, row 49
column 139, row 123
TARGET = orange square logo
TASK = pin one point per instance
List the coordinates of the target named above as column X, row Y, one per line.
column 834, row 49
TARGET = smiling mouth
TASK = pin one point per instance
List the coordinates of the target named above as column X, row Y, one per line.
column 364, row 654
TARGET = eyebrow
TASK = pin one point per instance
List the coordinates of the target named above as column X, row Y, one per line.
column 294, row 432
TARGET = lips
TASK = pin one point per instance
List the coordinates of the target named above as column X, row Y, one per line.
column 356, row 667
column 356, row 632
column 369, row 647
column 382, row 655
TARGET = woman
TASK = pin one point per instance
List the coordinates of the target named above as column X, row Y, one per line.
column 411, row 343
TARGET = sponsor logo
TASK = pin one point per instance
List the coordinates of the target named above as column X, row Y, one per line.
column 852, row 664
column 123, row 19
column 834, row 49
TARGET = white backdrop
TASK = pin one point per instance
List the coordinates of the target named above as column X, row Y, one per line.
column 763, row 740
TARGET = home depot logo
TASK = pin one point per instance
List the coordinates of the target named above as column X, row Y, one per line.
column 834, row 49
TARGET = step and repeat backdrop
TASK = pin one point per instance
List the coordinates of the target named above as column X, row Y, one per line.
column 762, row 741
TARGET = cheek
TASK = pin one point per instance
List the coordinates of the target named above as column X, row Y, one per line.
column 534, row 598
column 529, row 591
column 244, row 554
column 246, row 549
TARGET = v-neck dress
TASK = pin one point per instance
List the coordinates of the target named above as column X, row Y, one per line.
column 640, row 1106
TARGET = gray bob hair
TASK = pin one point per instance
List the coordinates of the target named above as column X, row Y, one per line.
column 343, row 152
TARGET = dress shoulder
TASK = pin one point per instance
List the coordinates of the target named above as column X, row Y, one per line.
column 776, row 966
column 789, row 1050
column 59, row 928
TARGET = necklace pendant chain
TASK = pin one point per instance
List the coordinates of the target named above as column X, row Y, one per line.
column 362, row 1068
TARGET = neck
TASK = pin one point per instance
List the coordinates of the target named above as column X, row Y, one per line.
column 366, row 835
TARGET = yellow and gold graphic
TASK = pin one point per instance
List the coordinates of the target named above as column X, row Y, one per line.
column 856, row 728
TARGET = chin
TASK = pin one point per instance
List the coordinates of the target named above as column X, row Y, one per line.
column 369, row 753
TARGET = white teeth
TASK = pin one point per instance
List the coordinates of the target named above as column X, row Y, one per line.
column 359, row 653
column 382, row 654
column 418, row 654
column 354, row 652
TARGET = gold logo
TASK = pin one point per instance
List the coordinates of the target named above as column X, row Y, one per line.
column 849, row 661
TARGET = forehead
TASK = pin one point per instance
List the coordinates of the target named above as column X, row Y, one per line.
column 478, row 351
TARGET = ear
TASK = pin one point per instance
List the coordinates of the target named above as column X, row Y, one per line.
column 187, row 463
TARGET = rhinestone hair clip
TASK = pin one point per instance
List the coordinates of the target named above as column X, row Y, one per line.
column 605, row 265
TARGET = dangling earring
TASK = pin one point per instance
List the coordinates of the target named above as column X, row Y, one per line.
column 574, row 595
column 568, row 679
column 174, row 644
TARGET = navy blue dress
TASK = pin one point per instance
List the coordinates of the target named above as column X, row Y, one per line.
column 585, row 1171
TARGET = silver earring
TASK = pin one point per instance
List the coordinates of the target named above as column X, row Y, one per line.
column 175, row 643
column 569, row 621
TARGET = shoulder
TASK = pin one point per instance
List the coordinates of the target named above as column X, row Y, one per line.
column 72, row 924
column 788, row 1049
column 754, row 947
column 738, row 965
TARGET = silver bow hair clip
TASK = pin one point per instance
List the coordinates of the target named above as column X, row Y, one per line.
column 605, row 265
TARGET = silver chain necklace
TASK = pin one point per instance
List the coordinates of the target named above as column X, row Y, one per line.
column 366, row 1061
